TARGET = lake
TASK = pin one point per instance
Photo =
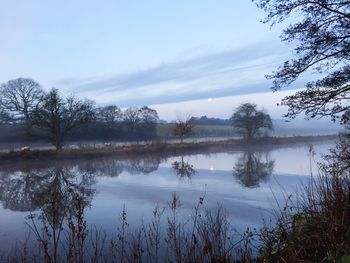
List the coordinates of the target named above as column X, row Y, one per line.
column 248, row 184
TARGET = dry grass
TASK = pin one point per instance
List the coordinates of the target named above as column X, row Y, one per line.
column 315, row 228
column 205, row 237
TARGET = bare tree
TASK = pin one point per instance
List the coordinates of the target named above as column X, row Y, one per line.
column 141, row 122
column 320, row 30
column 110, row 115
column 148, row 115
column 149, row 119
column 249, row 122
column 20, row 97
column 5, row 117
column 57, row 117
column 132, row 119
column 182, row 127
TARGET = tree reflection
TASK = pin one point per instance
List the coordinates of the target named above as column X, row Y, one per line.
column 183, row 169
column 252, row 167
column 18, row 190
column 51, row 190
column 114, row 167
column 29, row 190
column 59, row 197
column 143, row 166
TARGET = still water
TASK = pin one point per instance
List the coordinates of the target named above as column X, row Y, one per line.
column 247, row 183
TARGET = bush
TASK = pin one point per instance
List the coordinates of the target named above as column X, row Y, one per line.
column 316, row 227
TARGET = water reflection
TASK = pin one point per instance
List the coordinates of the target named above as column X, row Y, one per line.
column 114, row 167
column 51, row 190
column 183, row 169
column 59, row 196
column 29, row 190
column 252, row 167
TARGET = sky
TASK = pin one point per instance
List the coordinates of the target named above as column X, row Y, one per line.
column 223, row 107
column 157, row 52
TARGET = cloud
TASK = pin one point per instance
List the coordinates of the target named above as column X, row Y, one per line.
column 229, row 72
column 222, row 107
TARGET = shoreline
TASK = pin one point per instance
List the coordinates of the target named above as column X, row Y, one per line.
column 157, row 147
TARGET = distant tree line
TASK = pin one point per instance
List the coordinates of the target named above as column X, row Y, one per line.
column 204, row 120
column 31, row 113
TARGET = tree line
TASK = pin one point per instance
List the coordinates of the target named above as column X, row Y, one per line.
column 54, row 118
column 50, row 116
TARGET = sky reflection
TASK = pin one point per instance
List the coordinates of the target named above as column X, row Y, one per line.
column 142, row 183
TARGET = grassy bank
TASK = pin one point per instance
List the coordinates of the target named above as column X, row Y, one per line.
column 158, row 147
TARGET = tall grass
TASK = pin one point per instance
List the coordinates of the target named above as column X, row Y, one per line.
column 315, row 227
column 205, row 236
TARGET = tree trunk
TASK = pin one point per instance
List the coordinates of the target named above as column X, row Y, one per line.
column 28, row 124
column 57, row 141
column 58, row 145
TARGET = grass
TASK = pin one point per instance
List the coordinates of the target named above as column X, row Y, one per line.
column 315, row 228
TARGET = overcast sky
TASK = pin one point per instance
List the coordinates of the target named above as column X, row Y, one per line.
column 134, row 53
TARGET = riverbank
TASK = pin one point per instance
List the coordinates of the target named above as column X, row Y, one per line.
column 157, row 147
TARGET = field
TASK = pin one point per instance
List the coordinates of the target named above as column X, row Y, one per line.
column 164, row 130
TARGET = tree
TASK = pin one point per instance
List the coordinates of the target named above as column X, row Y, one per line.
column 141, row 122
column 110, row 115
column 321, row 32
column 5, row 116
column 182, row 128
column 249, row 122
column 131, row 118
column 21, row 96
column 56, row 117
column 148, row 124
